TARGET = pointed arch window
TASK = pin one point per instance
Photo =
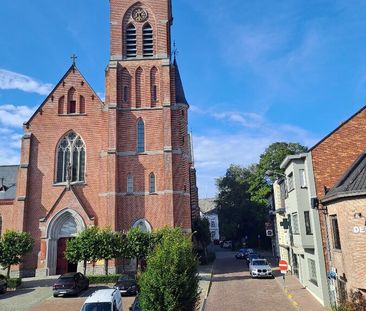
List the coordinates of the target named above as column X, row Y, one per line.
column 148, row 40
column 70, row 159
column 71, row 101
column 139, row 73
column 140, row 136
column 129, row 183
column 61, row 105
column 124, row 93
column 82, row 104
column 154, row 86
column 152, row 183
column 131, row 41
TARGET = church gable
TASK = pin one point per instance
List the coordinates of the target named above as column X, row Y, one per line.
column 71, row 97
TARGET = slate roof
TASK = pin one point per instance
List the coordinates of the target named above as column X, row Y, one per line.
column 207, row 205
column 9, row 173
column 351, row 184
column 180, row 97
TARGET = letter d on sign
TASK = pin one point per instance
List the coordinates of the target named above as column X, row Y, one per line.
column 356, row 229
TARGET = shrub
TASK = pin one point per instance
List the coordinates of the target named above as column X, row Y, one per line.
column 103, row 279
column 171, row 281
column 14, row 282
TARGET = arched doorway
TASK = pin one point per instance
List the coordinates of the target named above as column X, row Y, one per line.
column 64, row 226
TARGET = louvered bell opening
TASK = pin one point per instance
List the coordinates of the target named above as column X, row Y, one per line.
column 148, row 42
column 131, row 42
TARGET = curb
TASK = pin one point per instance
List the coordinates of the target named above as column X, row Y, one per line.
column 203, row 307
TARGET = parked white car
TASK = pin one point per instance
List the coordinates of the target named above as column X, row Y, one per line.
column 260, row 268
column 103, row 300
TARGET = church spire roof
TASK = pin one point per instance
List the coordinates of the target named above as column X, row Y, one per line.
column 180, row 97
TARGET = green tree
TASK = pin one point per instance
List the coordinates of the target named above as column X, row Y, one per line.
column 170, row 282
column 269, row 164
column 14, row 245
column 109, row 246
column 139, row 244
column 84, row 247
column 238, row 215
column 201, row 234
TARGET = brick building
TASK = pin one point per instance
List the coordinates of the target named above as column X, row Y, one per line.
column 331, row 158
column 121, row 163
column 346, row 206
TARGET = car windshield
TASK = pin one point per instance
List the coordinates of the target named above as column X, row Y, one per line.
column 261, row 262
column 97, row 306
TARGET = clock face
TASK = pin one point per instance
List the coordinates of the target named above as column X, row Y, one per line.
column 139, row 15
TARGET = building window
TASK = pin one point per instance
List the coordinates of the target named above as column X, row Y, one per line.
column 82, row 104
column 302, row 179
column 335, row 231
column 131, row 41
column 148, row 43
column 152, row 181
column 71, row 101
column 154, row 86
column 140, row 136
column 129, row 184
column 312, row 272
column 61, row 105
column 308, row 223
column 71, row 159
column 290, row 181
column 139, row 73
column 295, row 223
column 126, row 94
column 213, row 224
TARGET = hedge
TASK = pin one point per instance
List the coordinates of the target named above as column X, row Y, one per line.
column 14, row 282
column 103, row 279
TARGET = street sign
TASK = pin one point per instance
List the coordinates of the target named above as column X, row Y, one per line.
column 269, row 233
column 283, row 266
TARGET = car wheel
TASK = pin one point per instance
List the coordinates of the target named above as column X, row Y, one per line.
column 55, row 295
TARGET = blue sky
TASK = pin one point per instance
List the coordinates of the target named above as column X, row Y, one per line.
column 254, row 72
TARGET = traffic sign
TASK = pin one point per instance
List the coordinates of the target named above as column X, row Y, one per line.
column 283, row 266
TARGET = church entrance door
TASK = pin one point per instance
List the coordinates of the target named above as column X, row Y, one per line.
column 63, row 266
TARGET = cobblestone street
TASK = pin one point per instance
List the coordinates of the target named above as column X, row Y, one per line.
column 233, row 289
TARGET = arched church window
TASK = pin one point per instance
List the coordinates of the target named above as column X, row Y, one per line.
column 152, row 181
column 139, row 73
column 148, row 40
column 131, row 41
column 143, row 225
column 129, row 183
column 140, row 136
column 61, row 105
column 70, row 159
column 154, row 86
column 82, row 104
column 71, row 101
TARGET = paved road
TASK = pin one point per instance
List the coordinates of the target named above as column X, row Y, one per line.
column 233, row 289
column 37, row 296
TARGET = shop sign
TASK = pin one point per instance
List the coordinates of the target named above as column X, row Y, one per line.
column 358, row 230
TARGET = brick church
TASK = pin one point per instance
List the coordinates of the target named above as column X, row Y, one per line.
column 125, row 162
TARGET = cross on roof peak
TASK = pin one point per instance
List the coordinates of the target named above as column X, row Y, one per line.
column 73, row 57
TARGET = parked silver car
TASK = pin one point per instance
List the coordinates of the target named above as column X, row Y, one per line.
column 260, row 268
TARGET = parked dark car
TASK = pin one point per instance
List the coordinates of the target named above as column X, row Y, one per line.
column 136, row 305
column 127, row 286
column 252, row 256
column 3, row 284
column 240, row 254
column 70, row 284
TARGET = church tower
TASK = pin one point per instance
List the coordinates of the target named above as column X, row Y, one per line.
column 148, row 147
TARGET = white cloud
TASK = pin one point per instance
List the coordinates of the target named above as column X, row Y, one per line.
column 14, row 116
column 10, row 80
column 246, row 119
column 11, row 122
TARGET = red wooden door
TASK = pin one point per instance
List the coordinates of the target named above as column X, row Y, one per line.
column 62, row 264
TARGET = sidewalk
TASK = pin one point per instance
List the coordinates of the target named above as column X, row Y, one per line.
column 205, row 276
column 299, row 296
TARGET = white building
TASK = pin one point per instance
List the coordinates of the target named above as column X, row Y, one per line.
column 208, row 211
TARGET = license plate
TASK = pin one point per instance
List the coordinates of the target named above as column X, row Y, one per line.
column 63, row 292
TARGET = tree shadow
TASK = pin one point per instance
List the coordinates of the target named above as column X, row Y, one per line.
column 18, row 292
